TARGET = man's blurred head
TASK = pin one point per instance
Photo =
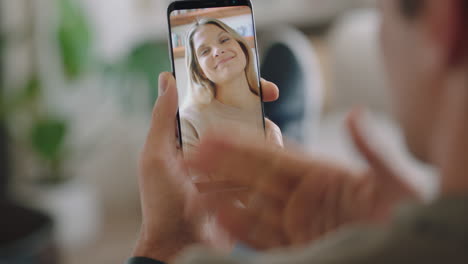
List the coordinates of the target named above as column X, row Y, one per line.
column 424, row 43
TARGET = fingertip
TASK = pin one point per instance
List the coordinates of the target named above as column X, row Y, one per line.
column 354, row 119
column 274, row 134
column 165, row 106
column 163, row 78
column 273, row 88
column 363, row 141
column 352, row 126
column 166, row 83
column 166, row 76
column 270, row 91
column 353, row 115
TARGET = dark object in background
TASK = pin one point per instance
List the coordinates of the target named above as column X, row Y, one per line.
column 26, row 236
column 4, row 170
column 290, row 61
column 281, row 67
column 4, row 161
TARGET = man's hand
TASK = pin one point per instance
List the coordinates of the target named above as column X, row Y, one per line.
column 163, row 183
column 296, row 200
column 172, row 217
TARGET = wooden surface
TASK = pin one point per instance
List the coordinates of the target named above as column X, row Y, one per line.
column 218, row 12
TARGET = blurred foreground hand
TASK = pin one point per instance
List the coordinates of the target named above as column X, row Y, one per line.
column 294, row 199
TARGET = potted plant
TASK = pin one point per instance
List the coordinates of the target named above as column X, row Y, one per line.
column 38, row 133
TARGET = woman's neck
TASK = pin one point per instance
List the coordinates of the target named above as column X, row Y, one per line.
column 237, row 93
column 450, row 152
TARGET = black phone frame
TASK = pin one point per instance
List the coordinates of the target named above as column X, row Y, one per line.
column 194, row 4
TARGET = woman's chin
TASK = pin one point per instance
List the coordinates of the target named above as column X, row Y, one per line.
column 230, row 73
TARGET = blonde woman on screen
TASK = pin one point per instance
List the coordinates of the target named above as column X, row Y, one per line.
column 223, row 86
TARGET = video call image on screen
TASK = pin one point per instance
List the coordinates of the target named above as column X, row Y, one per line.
column 215, row 65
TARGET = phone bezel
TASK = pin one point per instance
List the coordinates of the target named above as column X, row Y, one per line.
column 193, row 4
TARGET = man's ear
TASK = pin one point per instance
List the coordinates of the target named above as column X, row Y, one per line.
column 447, row 21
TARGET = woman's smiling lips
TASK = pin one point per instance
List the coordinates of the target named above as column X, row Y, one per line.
column 224, row 61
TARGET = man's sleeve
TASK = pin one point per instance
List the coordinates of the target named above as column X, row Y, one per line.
column 353, row 246
column 142, row 260
column 344, row 248
column 402, row 243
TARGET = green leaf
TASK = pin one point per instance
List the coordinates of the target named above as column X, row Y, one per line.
column 22, row 99
column 149, row 59
column 74, row 36
column 48, row 136
column 142, row 65
column 32, row 90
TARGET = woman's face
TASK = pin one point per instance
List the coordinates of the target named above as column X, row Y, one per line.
column 220, row 56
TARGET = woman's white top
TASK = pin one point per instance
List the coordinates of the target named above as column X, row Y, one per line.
column 196, row 120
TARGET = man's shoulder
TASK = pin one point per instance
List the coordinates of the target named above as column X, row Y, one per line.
column 446, row 217
column 420, row 233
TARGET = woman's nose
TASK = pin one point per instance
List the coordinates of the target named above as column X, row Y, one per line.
column 219, row 51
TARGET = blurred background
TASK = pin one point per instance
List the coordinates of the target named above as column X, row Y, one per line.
column 78, row 81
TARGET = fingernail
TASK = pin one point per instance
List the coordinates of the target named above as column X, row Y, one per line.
column 163, row 84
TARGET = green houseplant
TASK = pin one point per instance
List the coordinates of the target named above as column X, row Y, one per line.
column 45, row 131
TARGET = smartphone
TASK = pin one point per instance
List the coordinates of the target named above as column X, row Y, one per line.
column 214, row 57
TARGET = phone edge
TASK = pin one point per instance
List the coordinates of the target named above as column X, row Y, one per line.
column 172, row 7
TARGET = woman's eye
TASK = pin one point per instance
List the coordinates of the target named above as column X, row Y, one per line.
column 204, row 52
column 224, row 40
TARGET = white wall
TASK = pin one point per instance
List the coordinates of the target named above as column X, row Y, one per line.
column 120, row 23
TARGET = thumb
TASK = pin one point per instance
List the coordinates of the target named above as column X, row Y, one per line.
column 164, row 113
column 388, row 184
column 374, row 158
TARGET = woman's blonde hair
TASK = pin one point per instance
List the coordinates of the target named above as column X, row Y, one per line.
column 201, row 89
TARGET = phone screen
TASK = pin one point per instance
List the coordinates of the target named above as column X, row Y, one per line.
column 215, row 62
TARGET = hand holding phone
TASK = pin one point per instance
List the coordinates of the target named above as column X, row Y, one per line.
column 162, row 176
